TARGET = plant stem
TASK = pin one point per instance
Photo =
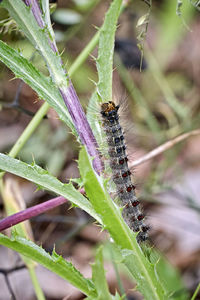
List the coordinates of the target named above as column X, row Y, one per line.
column 28, row 132
column 31, row 212
column 84, row 54
column 42, row 111
column 34, row 123
column 196, row 292
column 164, row 147
column 35, row 282
column 138, row 98
column 180, row 109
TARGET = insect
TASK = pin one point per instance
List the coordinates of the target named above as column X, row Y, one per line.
column 118, row 162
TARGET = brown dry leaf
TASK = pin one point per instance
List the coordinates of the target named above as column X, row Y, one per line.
column 14, row 202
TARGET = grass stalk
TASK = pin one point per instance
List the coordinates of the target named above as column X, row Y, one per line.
column 35, row 282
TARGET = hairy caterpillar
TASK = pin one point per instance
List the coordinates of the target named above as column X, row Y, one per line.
column 121, row 174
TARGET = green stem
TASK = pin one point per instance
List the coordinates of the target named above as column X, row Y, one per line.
column 141, row 269
column 171, row 99
column 137, row 97
column 196, row 292
column 88, row 49
column 117, row 275
column 84, row 54
column 28, row 132
column 35, row 282
column 44, row 108
column 31, row 127
column 28, row 24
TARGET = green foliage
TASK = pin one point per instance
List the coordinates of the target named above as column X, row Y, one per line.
column 139, row 266
column 151, row 281
column 105, row 52
column 43, row 85
column 38, row 37
column 53, row 262
column 171, row 278
column 45, row 180
column 171, row 27
column 98, row 277
column 104, row 65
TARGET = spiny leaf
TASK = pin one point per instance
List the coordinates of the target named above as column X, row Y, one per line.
column 139, row 266
column 98, row 277
column 54, row 263
column 24, row 18
column 43, row 85
column 40, row 176
column 104, row 65
column 106, row 49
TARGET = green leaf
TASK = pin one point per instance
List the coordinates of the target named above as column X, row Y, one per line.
column 139, row 266
column 54, row 262
column 98, row 277
column 148, row 282
column 105, row 52
column 45, row 180
column 38, row 37
column 104, row 64
column 170, row 276
column 110, row 214
column 43, row 85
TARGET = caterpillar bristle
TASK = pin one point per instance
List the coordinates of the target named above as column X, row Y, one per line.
column 121, row 174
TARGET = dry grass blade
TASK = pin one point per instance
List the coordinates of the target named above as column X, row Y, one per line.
column 164, row 147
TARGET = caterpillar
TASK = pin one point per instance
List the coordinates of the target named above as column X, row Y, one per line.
column 118, row 162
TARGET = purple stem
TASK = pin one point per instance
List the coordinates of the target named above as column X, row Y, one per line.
column 35, row 8
column 82, row 126
column 72, row 102
column 36, row 11
column 31, row 212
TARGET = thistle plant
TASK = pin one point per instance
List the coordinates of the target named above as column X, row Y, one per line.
column 57, row 90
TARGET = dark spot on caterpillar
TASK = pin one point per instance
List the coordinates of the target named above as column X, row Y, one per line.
column 111, row 119
column 136, row 229
column 136, row 203
column 129, row 189
column 145, row 228
column 103, row 113
column 121, row 161
column 117, row 140
column 125, row 174
column 119, row 150
column 142, row 237
column 140, row 217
